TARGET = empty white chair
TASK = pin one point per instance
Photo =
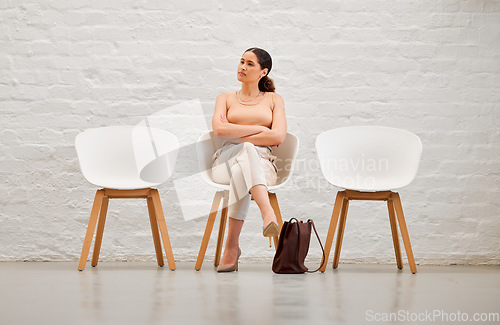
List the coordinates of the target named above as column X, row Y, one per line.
column 206, row 146
column 126, row 162
column 369, row 162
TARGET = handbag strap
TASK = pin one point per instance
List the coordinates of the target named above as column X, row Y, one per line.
column 319, row 240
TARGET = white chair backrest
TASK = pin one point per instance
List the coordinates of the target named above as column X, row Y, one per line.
column 369, row 158
column 206, row 146
column 126, row 157
column 286, row 153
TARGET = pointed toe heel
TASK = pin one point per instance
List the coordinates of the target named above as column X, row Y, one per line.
column 230, row 268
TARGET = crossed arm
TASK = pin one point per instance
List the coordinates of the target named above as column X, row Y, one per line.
column 259, row 135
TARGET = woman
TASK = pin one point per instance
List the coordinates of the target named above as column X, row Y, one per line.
column 252, row 119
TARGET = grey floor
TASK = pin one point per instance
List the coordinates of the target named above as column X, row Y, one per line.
column 142, row 293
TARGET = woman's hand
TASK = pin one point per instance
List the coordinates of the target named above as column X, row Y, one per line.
column 223, row 119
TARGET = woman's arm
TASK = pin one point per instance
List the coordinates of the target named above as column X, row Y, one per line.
column 277, row 134
column 222, row 127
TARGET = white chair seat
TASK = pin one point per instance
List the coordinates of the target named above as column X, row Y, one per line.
column 129, row 183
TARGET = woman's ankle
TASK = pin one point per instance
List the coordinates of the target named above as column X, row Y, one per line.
column 230, row 254
column 267, row 218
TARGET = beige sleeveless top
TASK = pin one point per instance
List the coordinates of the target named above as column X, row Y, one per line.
column 259, row 112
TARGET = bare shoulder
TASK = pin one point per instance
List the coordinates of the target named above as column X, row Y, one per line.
column 227, row 96
column 223, row 95
column 277, row 99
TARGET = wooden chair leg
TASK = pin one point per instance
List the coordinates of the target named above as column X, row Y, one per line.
column 395, row 236
column 155, row 232
column 333, row 226
column 155, row 196
column 100, row 231
column 222, row 228
column 404, row 231
column 274, row 203
column 208, row 229
column 340, row 234
column 96, row 207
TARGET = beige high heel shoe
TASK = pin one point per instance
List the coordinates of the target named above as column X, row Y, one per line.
column 271, row 230
column 230, row 268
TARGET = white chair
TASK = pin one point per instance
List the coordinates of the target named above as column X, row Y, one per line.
column 369, row 162
column 207, row 144
column 126, row 162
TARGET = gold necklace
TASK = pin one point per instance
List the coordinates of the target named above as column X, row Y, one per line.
column 247, row 101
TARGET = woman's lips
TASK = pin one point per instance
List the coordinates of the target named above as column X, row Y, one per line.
column 241, row 74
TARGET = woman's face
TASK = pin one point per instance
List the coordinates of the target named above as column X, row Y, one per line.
column 249, row 68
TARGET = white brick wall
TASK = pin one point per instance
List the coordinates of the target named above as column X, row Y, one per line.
column 431, row 67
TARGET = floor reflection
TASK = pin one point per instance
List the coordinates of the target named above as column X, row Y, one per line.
column 142, row 293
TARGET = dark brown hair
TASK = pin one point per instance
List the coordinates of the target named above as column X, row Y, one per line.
column 265, row 61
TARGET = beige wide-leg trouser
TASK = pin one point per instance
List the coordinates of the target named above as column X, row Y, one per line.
column 243, row 166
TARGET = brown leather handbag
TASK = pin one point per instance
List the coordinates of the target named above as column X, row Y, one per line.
column 293, row 246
